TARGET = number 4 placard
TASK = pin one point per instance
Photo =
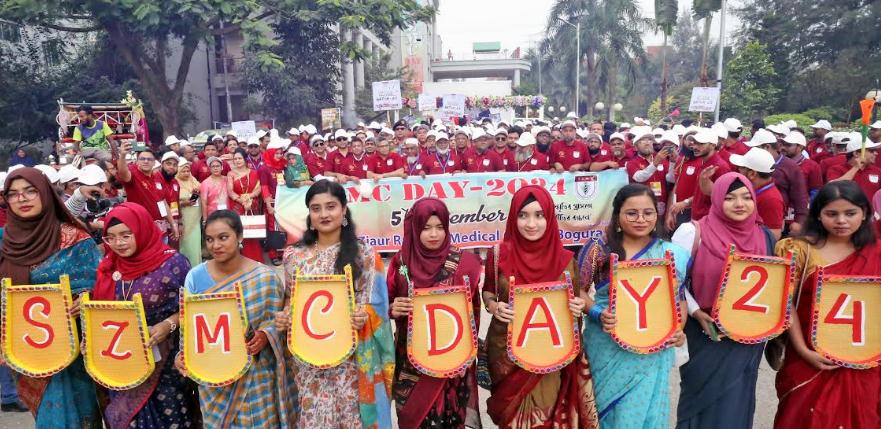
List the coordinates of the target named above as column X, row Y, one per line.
column 754, row 297
column 845, row 319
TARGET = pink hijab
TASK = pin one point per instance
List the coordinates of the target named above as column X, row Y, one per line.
column 717, row 234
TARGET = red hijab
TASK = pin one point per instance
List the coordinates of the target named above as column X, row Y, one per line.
column 150, row 254
column 537, row 261
column 422, row 263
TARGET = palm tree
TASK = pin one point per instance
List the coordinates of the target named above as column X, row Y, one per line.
column 665, row 19
column 611, row 42
column 703, row 9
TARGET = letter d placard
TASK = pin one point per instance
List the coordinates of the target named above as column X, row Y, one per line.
column 39, row 337
column 322, row 334
column 441, row 335
column 213, row 327
column 543, row 337
column 115, row 336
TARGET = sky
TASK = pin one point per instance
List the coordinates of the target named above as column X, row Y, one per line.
column 512, row 22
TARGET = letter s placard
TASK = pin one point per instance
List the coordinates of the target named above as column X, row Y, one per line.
column 322, row 334
column 441, row 334
column 115, row 336
column 213, row 327
column 39, row 337
column 543, row 337
column 845, row 318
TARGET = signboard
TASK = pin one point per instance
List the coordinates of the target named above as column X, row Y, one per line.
column 543, row 337
column 478, row 202
column 427, row 103
column 387, row 95
column 331, row 118
column 39, row 337
column 115, row 337
column 643, row 298
column 213, row 336
column 754, row 298
column 845, row 320
column 453, row 106
column 704, row 99
column 441, row 334
column 244, row 130
column 322, row 334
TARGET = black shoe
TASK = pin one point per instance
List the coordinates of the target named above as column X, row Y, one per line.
column 14, row 407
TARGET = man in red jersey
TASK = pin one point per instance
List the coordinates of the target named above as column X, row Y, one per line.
column 711, row 167
column 817, row 148
column 861, row 170
column 480, row 158
column 354, row 166
column 317, row 158
column 384, row 163
column 569, row 154
column 500, row 145
column 141, row 188
column 758, row 166
column 527, row 158
column 794, row 145
column 413, row 165
column 650, row 168
column 442, row 160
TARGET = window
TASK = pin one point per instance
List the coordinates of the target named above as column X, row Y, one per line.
column 10, row 32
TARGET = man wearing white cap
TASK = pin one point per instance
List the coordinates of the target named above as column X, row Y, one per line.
column 413, row 166
column 794, row 147
column 650, row 168
column 788, row 178
column 732, row 142
column 480, row 158
column 317, row 159
column 569, row 154
column 384, row 162
column 67, row 177
column 616, row 155
column 527, row 158
column 861, row 170
column 91, row 186
column 500, row 144
column 168, row 178
column 837, row 144
column 442, row 160
column 354, row 166
column 543, row 139
column 711, row 166
column 339, row 156
column 143, row 188
column 875, row 132
column 298, row 140
column 172, row 143
column 462, row 138
column 758, row 166
column 817, row 148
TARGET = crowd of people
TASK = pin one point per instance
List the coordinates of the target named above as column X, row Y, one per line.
column 153, row 221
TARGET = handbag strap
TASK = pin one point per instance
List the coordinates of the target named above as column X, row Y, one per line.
column 801, row 280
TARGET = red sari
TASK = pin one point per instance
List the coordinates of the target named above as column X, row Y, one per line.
column 840, row 398
column 246, row 184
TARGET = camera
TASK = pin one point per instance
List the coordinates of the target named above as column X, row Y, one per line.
column 97, row 206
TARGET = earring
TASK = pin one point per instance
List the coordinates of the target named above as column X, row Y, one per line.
column 241, row 245
column 311, row 228
column 618, row 229
column 345, row 222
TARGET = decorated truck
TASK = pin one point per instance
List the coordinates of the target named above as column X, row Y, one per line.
column 126, row 120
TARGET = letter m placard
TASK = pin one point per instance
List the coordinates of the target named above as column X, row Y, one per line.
column 38, row 335
column 213, row 327
column 441, row 334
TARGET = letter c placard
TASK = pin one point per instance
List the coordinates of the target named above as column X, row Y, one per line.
column 322, row 335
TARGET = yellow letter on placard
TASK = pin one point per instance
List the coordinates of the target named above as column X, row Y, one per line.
column 442, row 339
column 115, row 334
column 39, row 337
column 543, row 337
column 846, row 316
column 322, row 334
column 213, row 327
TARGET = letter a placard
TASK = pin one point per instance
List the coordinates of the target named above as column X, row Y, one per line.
column 754, row 297
column 846, row 314
column 643, row 297
column 322, row 334
column 543, row 337
column 115, row 337
column 39, row 337
column 441, row 335
column 213, row 327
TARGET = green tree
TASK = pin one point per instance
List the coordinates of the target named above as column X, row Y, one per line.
column 665, row 20
column 704, row 9
column 748, row 89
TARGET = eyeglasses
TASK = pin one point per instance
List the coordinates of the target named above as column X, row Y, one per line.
column 318, row 144
column 26, row 195
column 648, row 215
column 124, row 238
column 341, row 139
column 501, row 139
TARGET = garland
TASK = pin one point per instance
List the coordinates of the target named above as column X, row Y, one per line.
column 485, row 102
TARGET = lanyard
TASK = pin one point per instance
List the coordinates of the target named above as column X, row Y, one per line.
column 764, row 188
column 443, row 163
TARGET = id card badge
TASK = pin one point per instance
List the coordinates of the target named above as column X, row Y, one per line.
column 174, row 209
column 790, row 215
column 221, row 205
column 656, row 188
column 163, row 209
column 279, row 177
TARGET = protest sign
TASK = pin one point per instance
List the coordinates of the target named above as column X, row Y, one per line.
column 40, row 337
column 754, row 297
column 244, row 130
column 453, row 106
column 115, row 336
column 322, row 334
column 441, row 334
column 704, row 99
column 331, row 118
column 846, row 314
column 387, row 95
column 543, row 337
column 427, row 103
column 643, row 299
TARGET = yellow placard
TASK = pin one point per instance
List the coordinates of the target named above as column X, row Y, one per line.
column 115, row 336
column 441, row 335
column 322, row 334
column 846, row 316
column 754, row 297
column 213, row 336
column 39, row 336
column 644, row 300
column 543, row 337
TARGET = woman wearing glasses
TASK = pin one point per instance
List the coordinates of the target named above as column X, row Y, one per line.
column 136, row 261
column 42, row 241
column 632, row 390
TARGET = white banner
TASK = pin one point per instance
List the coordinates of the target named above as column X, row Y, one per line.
column 704, row 99
column 244, row 130
column 387, row 95
column 454, row 106
column 427, row 103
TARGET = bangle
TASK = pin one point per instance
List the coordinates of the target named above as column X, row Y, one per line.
column 595, row 311
column 172, row 324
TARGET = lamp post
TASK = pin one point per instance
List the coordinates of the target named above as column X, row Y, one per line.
column 599, row 107
column 562, row 109
column 617, row 107
column 577, row 26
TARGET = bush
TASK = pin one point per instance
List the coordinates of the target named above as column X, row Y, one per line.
column 803, row 121
column 824, row 112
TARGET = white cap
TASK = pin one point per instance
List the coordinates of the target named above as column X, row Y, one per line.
column 66, row 174
column 669, row 136
column 361, row 124
column 310, row 129
column 619, row 136
column 232, row 133
column 169, row 155
column 855, row 142
column 837, row 137
column 463, row 130
column 679, row 129
column 386, row 130
column 170, row 140
column 720, row 129
column 781, row 129
column 705, row 136
column 184, row 143
column 293, row 150
column 220, row 137
column 640, row 132
column 92, row 175
column 440, row 135
column 572, row 115
column 254, row 141
column 277, row 143
column 733, row 125
column 261, row 134
column 755, row 159
column 581, row 133
column 790, row 124
column 822, row 124
column 374, row 126
column 3, row 175
column 525, row 139
column 876, row 125
column 478, row 133
column 568, row 123
column 411, row 141
column 624, row 125
column 316, row 138
column 294, row 131
column 500, row 131
column 182, row 162
column 341, row 133
column 49, row 172
column 762, row 136
column 540, row 129
column 795, row 137
column 658, row 132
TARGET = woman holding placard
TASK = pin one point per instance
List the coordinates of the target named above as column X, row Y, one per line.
column 331, row 397
column 137, row 261
column 719, row 380
column 260, row 398
column 814, row 392
column 532, row 252
column 632, row 390
column 430, row 260
column 42, row 241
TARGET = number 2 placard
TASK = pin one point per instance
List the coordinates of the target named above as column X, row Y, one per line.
column 845, row 319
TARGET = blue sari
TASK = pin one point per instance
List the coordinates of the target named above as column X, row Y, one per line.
column 632, row 390
column 67, row 399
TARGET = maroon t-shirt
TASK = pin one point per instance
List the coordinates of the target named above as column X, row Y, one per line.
column 700, row 205
column 354, row 167
column 537, row 162
column 143, row 190
column 488, row 161
column 770, row 206
column 433, row 163
column 379, row 165
column 568, row 155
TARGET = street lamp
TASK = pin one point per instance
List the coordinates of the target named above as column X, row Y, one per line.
column 562, row 108
column 617, row 107
column 551, row 109
column 577, row 26
column 600, row 106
